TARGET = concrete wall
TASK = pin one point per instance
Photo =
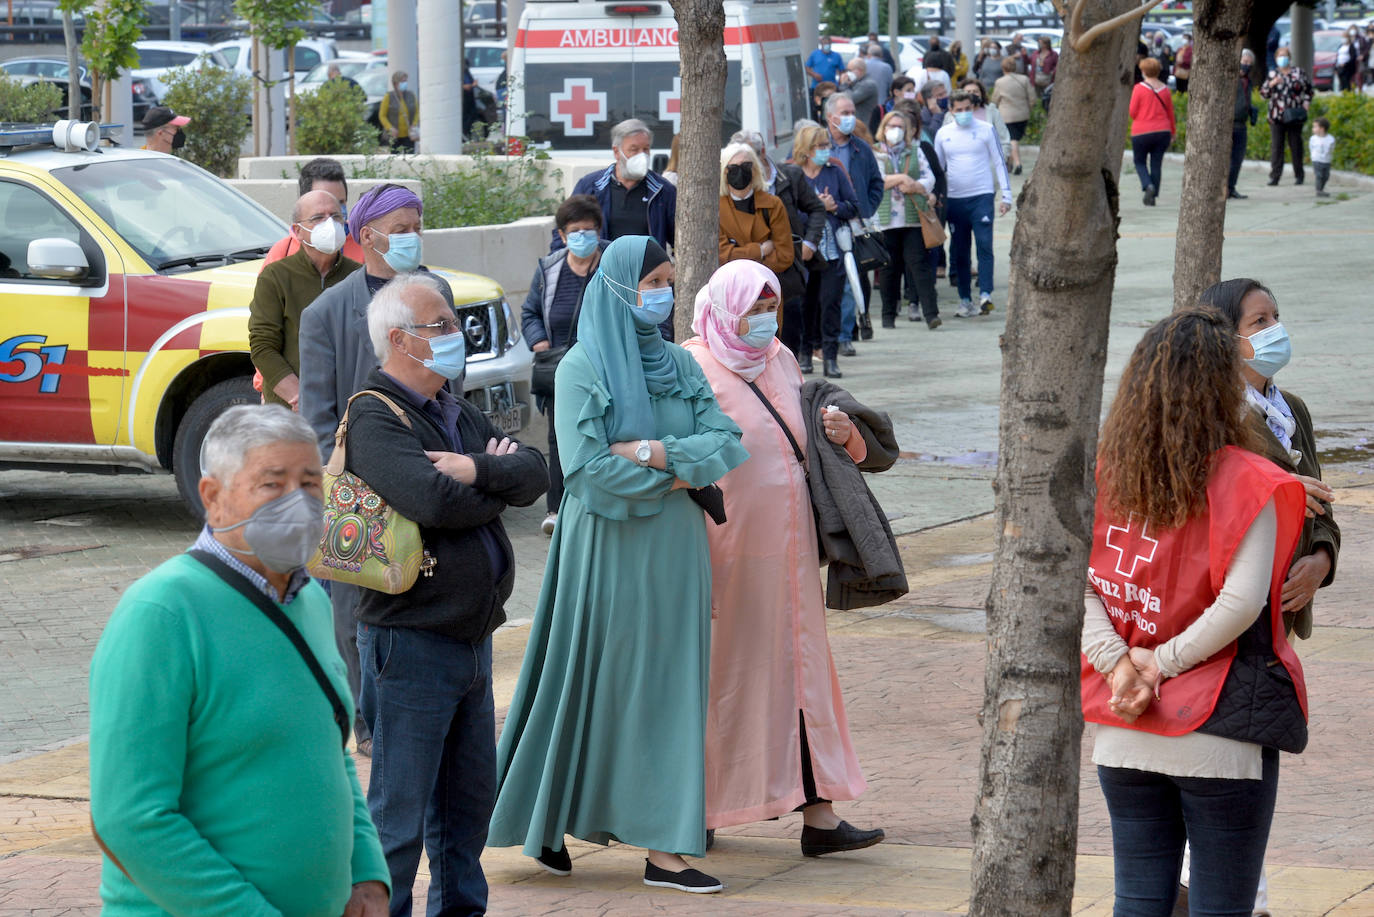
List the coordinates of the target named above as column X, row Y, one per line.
column 560, row 173
column 279, row 194
column 507, row 252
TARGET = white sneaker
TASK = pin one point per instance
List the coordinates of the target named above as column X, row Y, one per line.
column 966, row 310
column 985, row 304
column 549, row 522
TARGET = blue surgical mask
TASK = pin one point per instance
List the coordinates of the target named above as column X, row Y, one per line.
column 583, row 242
column 450, row 354
column 649, row 307
column 943, row 103
column 847, row 124
column 1281, row 61
column 963, row 118
column 821, row 156
column 403, row 85
column 403, row 255
column 655, row 305
column 762, row 328
column 1273, row 350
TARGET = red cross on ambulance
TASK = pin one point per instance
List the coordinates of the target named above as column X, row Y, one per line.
column 670, row 105
column 578, row 108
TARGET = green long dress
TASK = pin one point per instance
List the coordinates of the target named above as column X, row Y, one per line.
column 605, row 735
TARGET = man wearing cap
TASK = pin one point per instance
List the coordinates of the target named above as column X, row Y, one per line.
column 162, row 130
column 287, row 286
column 336, row 354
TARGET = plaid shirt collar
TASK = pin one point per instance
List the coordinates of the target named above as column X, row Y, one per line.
column 208, row 542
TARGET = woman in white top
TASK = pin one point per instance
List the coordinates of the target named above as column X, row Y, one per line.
column 1191, row 545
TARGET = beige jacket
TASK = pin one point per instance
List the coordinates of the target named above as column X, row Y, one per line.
column 1014, row 97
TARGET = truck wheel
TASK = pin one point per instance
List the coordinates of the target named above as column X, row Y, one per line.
column 212, row 402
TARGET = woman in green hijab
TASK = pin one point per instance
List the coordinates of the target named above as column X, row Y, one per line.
column 605, row 735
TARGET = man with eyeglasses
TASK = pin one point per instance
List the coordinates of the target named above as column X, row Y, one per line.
column 426, row 652
column 337, row 356
column 286, row 287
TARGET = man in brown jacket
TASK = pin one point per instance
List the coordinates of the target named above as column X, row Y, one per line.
column 287, row 286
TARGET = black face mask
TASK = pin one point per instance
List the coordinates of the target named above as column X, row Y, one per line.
column 1245, row 69
column 179, row 140
column 739, row 175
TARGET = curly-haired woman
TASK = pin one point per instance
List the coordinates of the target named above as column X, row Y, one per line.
column 1191, row 547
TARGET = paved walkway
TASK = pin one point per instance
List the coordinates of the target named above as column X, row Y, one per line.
column 912, row 671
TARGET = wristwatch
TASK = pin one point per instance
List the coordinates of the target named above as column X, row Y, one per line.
column 643, row 453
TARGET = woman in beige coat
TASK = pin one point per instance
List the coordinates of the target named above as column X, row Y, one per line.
column 1014, row 97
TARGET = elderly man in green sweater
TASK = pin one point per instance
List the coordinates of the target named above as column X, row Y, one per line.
column 220, row 782
column 287, row 286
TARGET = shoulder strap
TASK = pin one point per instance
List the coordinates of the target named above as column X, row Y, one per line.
column 276, row 616
column 801, row 456
column 337, row 458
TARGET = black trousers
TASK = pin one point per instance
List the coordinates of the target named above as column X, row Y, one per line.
column 555, row 494
column 1279, row 134
column 1149, row 150
column 1240, row 136
column 821, row 310
column 792, row 327
column 907, row 249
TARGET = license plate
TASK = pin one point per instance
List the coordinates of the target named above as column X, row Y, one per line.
column 508, row 420
column 502, row 409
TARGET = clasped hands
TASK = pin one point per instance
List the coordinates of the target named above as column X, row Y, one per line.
column 1134, row 683
column 461, row 467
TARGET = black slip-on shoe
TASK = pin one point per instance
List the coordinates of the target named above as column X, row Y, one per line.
column 847, row 349
column 844, row 836
column 693, row 881
column 1235, row 195
column 804, row 364
column 555, row 861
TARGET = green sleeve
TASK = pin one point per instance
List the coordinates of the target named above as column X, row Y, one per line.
column 368, row 863
column 143, row 688
column 267, row 328
column 714, row 448
column 609, row 485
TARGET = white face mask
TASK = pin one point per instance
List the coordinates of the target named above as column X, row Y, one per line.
column 327, row 236
column 895, row 136
column 636, row 166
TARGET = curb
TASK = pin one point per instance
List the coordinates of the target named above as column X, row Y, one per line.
column 1363, row 182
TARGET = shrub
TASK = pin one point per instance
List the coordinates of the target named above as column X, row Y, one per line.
column 217, row 102
column 497, row 189
column 330, row 122
column 37, row 102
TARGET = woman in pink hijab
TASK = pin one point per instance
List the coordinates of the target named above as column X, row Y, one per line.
column 777, row 739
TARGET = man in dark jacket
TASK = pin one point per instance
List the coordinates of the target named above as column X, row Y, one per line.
column 427, row 680
column 336, row 358
column 1240, row 127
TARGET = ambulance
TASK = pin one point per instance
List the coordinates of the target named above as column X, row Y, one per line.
column 125, row 280
column 582, row 67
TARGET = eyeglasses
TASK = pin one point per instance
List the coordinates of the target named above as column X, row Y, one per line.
column 443, row 325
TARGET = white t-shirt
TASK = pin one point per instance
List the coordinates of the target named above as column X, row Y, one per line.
column 1321, row 147
column 969, row 156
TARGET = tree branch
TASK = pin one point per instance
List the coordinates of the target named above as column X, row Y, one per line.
column 1061, row 9
column 1082, row 41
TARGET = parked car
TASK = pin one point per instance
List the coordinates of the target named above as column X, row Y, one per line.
column 54, row 70
column 369, row 73
column 1325, row 44
column 156, row 58
column 125, row 280
column 908, row 54
column 310, row 53
column 484, row 60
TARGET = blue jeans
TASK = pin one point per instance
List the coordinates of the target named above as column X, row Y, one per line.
column 1225, row 821
column 428, row 701
column 971, row 214
column 847, row 313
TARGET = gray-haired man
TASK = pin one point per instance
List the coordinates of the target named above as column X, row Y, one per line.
column 200, row 654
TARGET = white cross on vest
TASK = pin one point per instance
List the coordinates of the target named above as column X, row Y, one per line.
column 1118, row 543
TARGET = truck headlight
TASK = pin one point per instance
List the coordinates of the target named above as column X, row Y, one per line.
column 512, row 325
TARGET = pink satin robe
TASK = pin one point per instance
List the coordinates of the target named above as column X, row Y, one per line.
column 770, row 656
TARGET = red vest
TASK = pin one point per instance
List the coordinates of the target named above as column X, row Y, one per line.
column 1155, row 583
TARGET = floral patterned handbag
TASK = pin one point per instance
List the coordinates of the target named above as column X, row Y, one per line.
column 366, row 542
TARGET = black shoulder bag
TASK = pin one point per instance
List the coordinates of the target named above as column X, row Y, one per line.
column 545, row 365
column 786, row 431
column 275, row 615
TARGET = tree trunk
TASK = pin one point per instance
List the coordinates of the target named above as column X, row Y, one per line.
column 1063, row 266
column 291, row 100
column 73, row 68
column 1218, row 28
column 701, row 49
